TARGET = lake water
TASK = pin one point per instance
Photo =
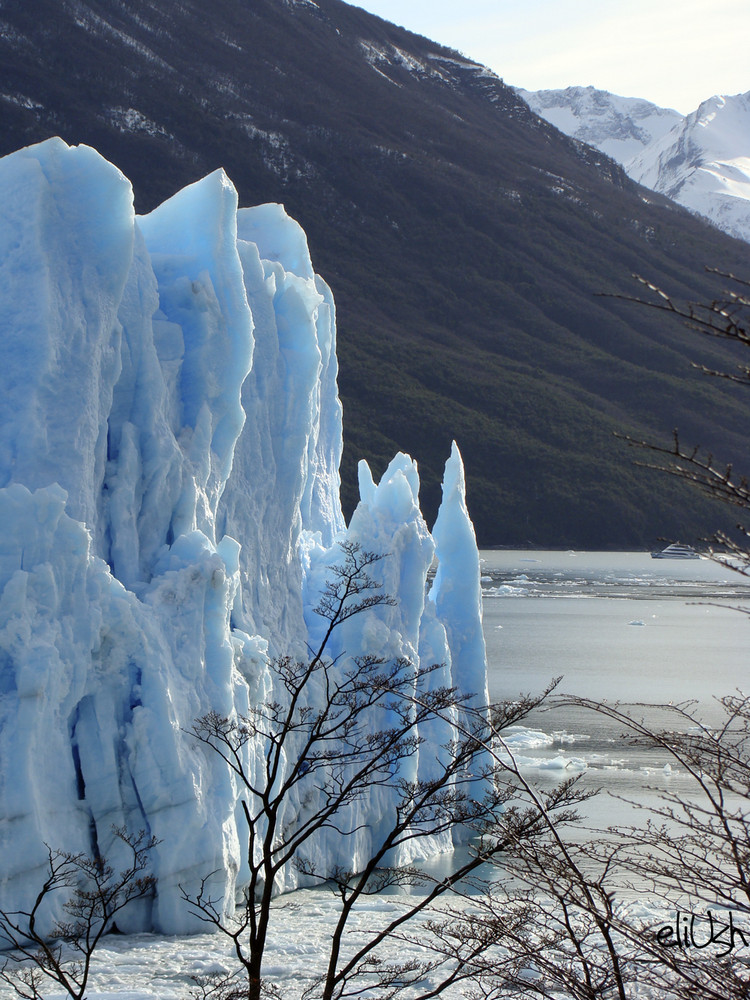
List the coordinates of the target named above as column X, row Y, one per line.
column 617, row 627
column 545, row 613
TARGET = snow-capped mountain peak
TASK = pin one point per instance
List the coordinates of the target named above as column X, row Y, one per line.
column 701, row 161
column 704, row 163
column 619, row 126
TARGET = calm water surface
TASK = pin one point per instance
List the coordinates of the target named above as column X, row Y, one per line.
column 617, row 627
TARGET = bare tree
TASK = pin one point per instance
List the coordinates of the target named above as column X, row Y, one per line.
column 551, row 922
column 552, row 918
column 94, row 893
column 692, row 853
column 541, row 920
column 340, row 731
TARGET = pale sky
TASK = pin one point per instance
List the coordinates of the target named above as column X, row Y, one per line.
column 675, row 53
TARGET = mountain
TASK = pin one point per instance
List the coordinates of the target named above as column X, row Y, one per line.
column 466, row 241
column 701, row 161
column 621, row 127
column 704, row 163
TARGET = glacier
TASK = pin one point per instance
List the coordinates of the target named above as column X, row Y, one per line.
column 170, row 440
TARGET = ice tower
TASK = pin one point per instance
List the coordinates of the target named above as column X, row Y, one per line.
column 170, row 436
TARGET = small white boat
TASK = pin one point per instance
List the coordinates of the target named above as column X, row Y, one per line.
column 676, row 551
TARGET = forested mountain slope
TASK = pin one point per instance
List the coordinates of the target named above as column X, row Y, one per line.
column 466, row 242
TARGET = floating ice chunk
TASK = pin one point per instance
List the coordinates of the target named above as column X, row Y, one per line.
column 505, row 590
column 561, row 763
column 565, row 737
column 521, row 738
column 558, row 763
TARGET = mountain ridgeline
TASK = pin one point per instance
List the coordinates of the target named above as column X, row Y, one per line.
column 699, row 161
column 467, row 243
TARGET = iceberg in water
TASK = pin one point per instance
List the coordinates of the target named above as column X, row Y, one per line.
column 170, row 437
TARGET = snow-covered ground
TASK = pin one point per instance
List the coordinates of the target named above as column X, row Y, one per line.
column 154, row 967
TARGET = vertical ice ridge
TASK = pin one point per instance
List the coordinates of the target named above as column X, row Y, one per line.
column 456, row 590
column 192, row 241
column 389, row 523
column 144, row 472
column 61, row 339
column 285, row 477
column 169, row 455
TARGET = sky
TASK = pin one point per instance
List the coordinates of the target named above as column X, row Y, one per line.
column 675, row 53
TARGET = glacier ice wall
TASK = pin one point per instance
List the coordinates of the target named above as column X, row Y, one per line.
column 170, row 437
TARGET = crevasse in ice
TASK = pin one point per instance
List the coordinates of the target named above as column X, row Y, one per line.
column 170, row 437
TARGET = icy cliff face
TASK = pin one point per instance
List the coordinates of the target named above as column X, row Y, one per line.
column 170, row 436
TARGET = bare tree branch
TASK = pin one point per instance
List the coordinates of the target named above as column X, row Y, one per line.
column 94, row 894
